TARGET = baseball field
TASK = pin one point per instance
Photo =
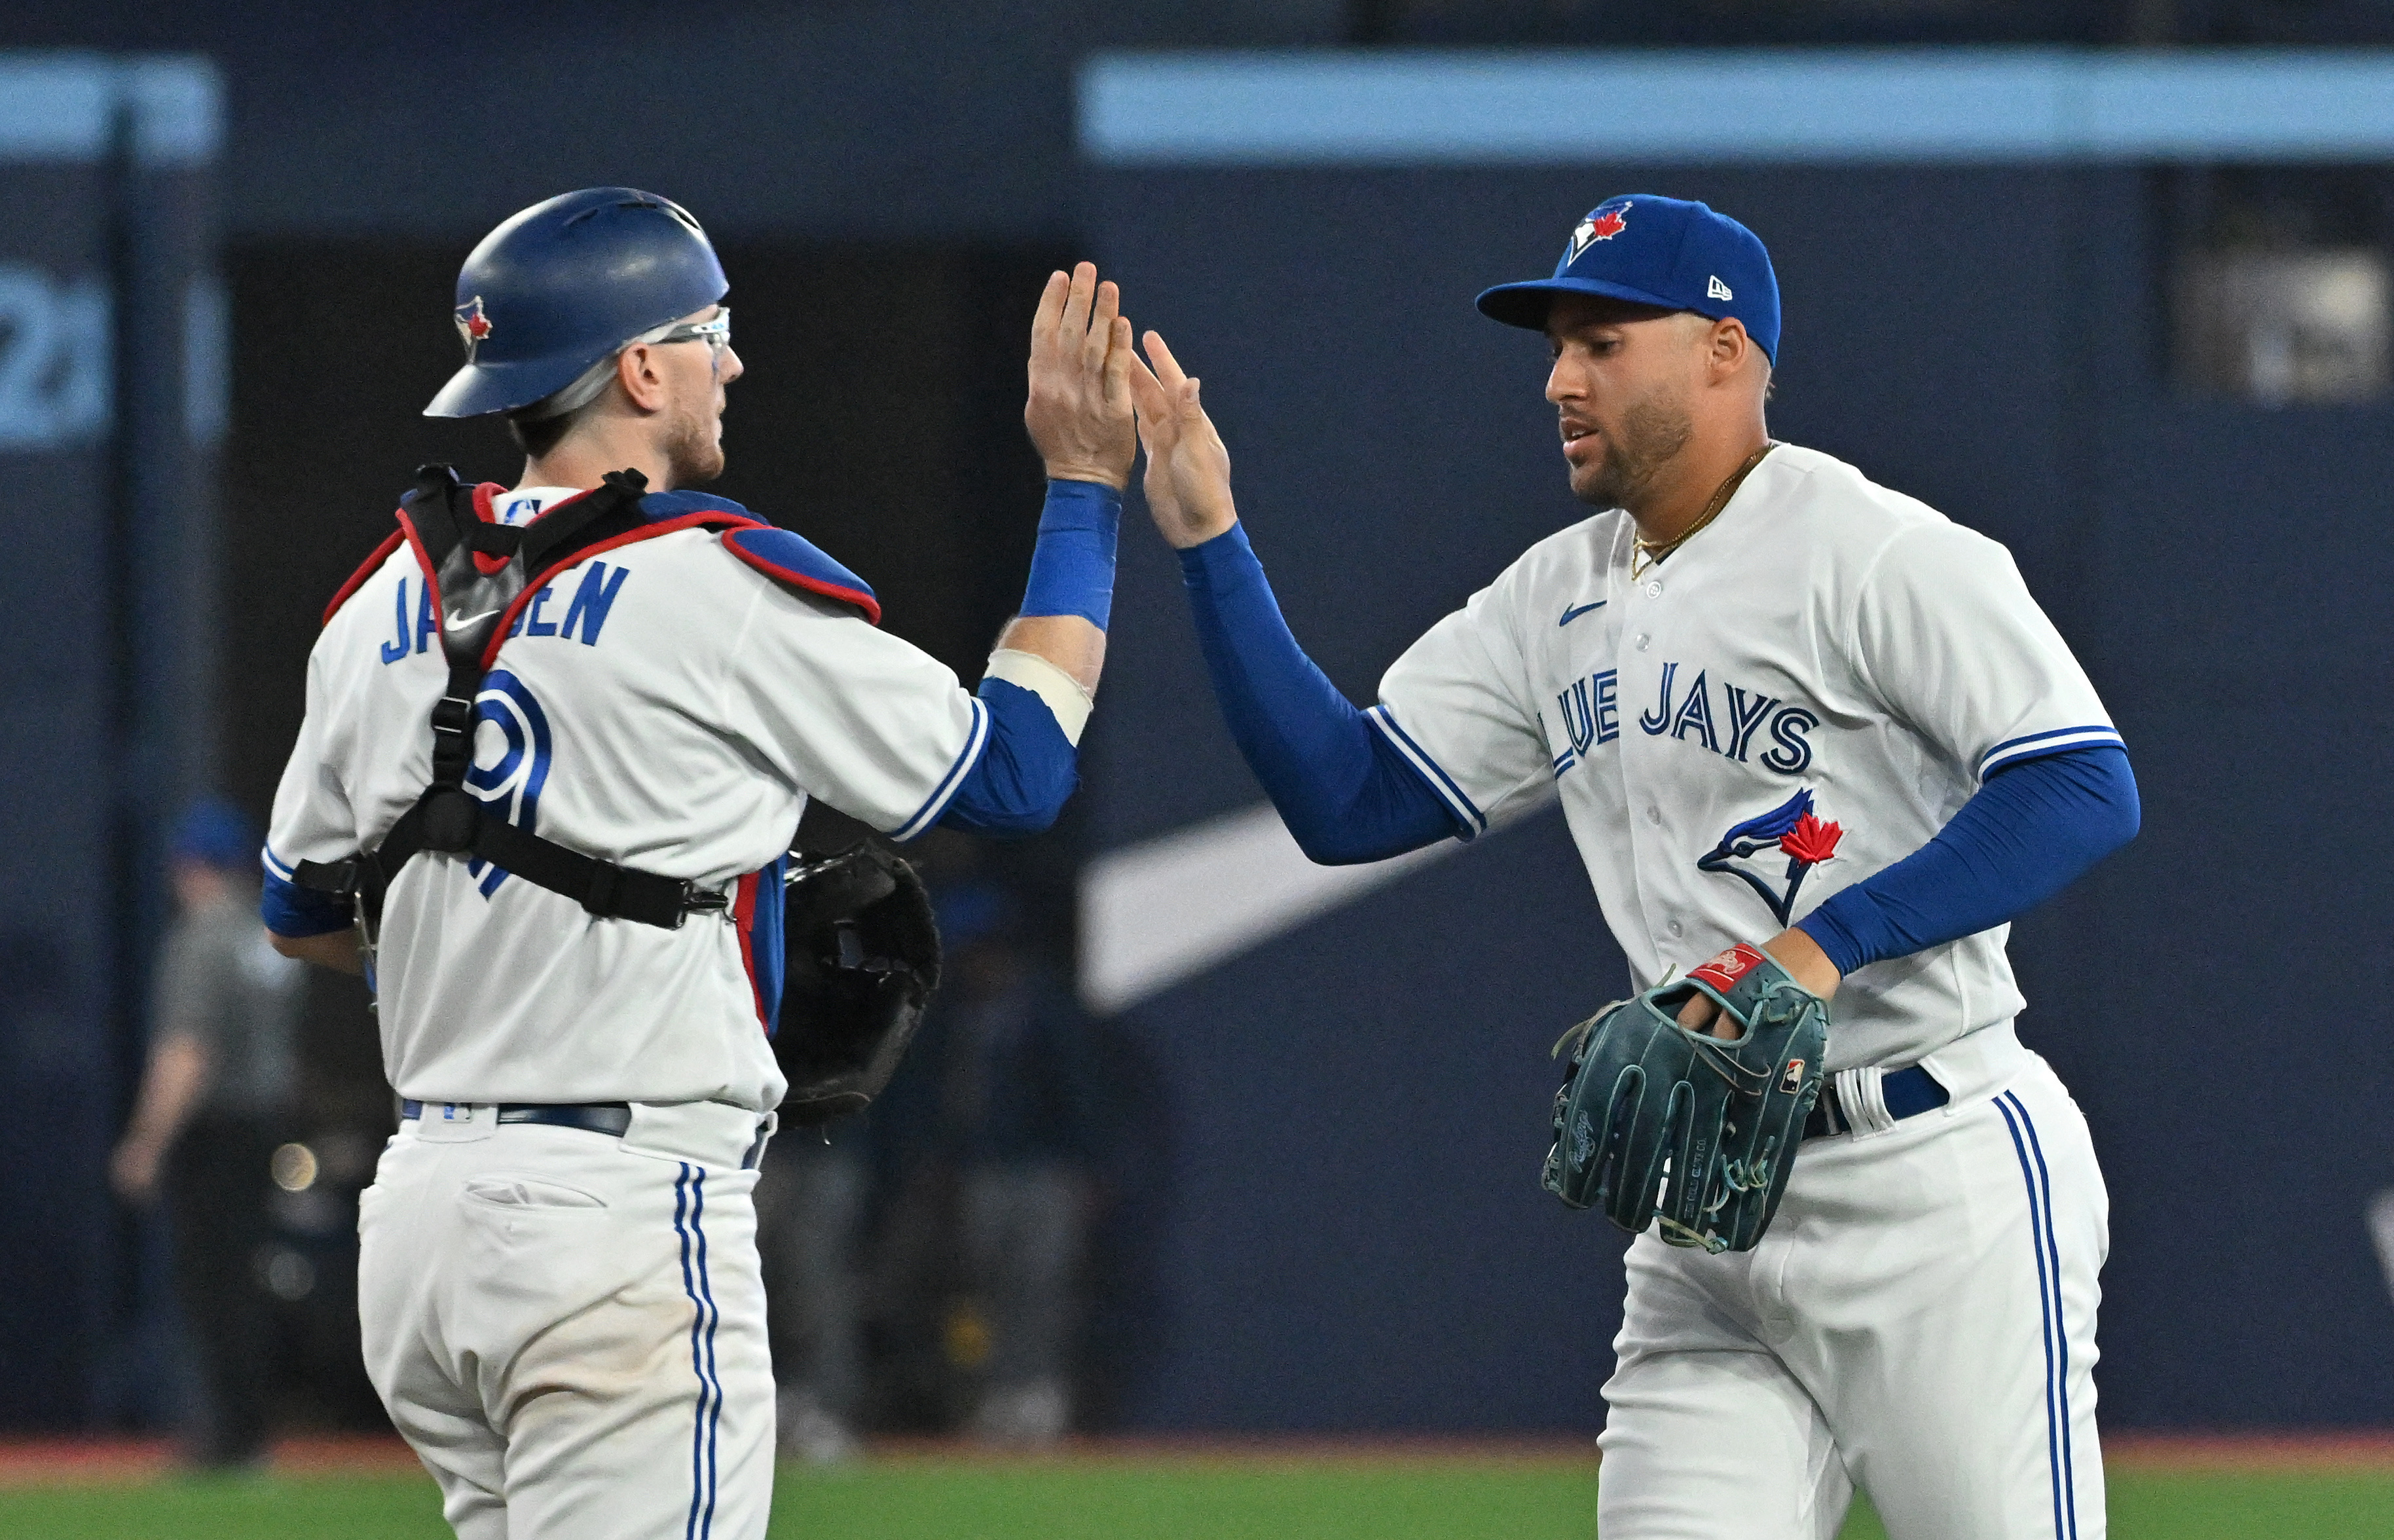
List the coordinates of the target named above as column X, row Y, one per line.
column 2333, row 1489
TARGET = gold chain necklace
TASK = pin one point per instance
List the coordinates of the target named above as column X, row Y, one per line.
column 1652, row 552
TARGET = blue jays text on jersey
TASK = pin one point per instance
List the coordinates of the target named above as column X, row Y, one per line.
column 1747, row 721
column 1740, row 722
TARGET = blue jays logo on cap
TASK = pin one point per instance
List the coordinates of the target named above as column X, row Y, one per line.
column 473, row 326
column 1796, row 831
column 1602, row 223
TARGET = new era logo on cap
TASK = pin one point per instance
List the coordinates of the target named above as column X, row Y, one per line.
column 1716, row 289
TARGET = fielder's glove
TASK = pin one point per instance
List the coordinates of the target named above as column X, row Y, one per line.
column 1655, row 1121
column 864, row 957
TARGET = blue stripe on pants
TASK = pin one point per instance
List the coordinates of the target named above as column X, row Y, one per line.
column 689, row 1210
column 2056, row 1338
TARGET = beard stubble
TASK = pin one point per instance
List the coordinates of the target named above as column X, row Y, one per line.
column 1654, row 431
column 693, row 453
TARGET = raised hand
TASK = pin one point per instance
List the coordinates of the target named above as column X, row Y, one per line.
column 1079, row 410
column 1187, row 466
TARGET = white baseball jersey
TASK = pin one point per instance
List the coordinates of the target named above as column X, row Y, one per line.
column 1802, row 695
column 660, row 706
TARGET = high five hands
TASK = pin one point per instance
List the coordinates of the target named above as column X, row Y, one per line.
column 1086, row 382
column 1188, row 467
column 1079, row 409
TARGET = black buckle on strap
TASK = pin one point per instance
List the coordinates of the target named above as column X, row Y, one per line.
column 493, row 539
column 700, row 900
column 606, row 881
column 452, row 818
column 327, row 876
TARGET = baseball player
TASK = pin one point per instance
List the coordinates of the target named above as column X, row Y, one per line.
column 557, row 743
column 1782, row 706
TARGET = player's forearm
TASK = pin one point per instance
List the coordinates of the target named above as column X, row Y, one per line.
column 1343, row 793
column 334, row 949
column 2031, row 830
column 1041, row 679
column 1069, row 600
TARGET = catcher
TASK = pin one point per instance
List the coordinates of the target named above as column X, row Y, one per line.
column 557, row 741
column 1783, row 705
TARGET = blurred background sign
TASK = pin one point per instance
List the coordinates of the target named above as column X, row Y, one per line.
column 2284, row 326
column 112, row 397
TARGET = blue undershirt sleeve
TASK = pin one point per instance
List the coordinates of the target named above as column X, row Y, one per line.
column 1073, row 563
column 1029, row 768
column 290, row 910
column 1026, row 773
column 1345, row 793
column 2034, row 828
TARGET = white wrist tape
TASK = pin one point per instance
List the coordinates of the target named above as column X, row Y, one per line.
column 1065, row 698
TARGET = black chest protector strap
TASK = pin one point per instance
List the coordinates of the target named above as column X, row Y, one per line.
column 480, row 570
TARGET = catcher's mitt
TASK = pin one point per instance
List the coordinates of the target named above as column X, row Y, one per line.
column 1654, row 1119
column 864, row 957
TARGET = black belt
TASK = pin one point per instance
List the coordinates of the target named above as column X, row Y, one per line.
column 610, row 1118
column 1908, row 1093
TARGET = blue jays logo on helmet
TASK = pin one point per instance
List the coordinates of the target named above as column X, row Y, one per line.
column 473, row 326
column 1794, row 832
column 1603, row 222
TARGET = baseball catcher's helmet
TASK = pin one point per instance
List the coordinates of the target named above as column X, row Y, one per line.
column 566, row 282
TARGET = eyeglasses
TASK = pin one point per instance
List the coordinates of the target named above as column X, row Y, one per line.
column 715, row 334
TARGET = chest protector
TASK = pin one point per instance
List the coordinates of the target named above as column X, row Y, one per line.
column 480, row 574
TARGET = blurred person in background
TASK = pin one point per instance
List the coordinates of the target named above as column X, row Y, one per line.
column 212, row 1107
column 997, row 1101
column 810, row 1199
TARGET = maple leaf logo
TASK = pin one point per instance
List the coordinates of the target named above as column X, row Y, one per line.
column 1602, row 224
column 472, row 324
column 1794, row 831
column 1810, row 842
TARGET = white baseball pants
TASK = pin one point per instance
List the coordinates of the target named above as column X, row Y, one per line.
column 570, row 1328
column 1918, row 1320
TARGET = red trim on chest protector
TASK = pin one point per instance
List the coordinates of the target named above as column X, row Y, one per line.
column 424, row 565
column 709, row 519
column 743, row 919
column 405, row 534
column 811, row 583
column 484, row 494
column 371, row 565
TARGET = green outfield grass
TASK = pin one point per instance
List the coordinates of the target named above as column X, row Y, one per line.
column 1448, row 1498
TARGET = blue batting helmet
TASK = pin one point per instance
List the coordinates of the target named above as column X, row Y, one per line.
column 564, row 284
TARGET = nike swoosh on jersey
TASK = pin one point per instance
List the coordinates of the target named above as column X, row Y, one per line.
column 458, row 623
column 1572, row 615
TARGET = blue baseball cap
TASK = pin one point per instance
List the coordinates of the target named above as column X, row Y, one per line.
column 1652, row 250
column 214, row 833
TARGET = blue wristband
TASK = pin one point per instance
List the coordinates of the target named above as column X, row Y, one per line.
column 1072, row 566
